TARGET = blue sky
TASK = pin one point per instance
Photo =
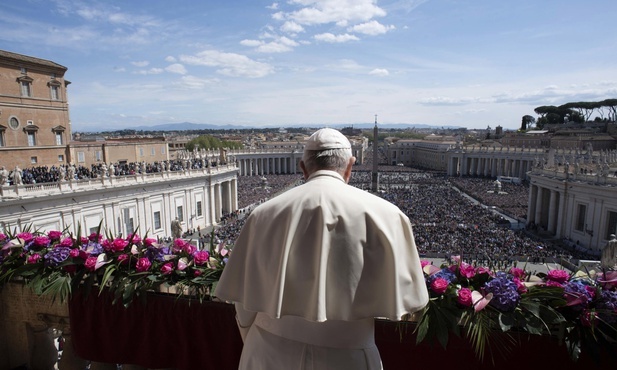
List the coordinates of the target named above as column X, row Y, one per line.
column 471, row 63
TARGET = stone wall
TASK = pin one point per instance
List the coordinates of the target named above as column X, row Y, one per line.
column 23, row 317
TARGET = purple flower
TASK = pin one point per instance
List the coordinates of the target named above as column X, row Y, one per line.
column 56, row 256
column 504, row 289
column 607, row 305
column 577, row 294
column 444, row 273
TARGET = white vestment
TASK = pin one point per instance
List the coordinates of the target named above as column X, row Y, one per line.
column 330, row 257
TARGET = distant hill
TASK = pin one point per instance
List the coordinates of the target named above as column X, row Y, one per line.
column 188, row 126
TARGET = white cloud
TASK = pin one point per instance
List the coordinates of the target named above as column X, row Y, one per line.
column 331, row 38
column 292, row 27
column 140, row 64
column 273, row 6
column 379, row 72
column 278, row 45
column 151, row 71
column 229, row 64
column 170, row 59
column 371, row 28
column 334, row 11
column 192, row 82
column 176, row 68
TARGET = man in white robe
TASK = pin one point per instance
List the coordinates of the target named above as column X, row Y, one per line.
column 315, row 265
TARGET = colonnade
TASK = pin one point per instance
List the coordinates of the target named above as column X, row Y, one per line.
column 489, row 166
column 255, row 165
column 545, row 208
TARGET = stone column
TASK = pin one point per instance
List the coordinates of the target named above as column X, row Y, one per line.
column 531, row 205
column 538, row 208
column 552, row 212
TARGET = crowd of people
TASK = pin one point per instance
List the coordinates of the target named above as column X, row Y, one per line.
column 47, row 174
column 445, row 220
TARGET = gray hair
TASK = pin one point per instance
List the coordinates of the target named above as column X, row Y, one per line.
column 329, row 159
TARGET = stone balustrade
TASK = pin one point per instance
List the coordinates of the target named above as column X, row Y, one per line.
column 68, row 186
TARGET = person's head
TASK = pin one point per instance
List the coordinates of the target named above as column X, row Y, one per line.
column 327, row 149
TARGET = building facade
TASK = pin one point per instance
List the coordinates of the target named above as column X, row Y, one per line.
column 35, row 127
column 143, row 203
column 579, row 208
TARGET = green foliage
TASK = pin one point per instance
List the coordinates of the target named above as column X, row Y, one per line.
column 210, row 142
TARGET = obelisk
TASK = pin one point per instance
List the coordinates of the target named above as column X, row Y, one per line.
column 375, row 175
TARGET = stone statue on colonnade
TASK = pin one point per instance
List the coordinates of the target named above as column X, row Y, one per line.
column 176, row 229
column 4, row 176
column 16, row 176
column 609, row 253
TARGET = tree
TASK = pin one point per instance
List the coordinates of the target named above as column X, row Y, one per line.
column 527, row 122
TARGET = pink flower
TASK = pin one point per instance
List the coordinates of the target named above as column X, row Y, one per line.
column 178, row 245
column 464, row 297
column 143, row 264
column 41, row 241
column 123, row 259
column 197, row 273
column 201, row 257
column 149, row 241
column 85, row 240
column 54, row 235
column 67, row 242
column 94, row 237
column 34, row 258
column 189, row 248
column 483, row 270
column 424, row 263
column 90, row 263
column 439, row 285
column 182, row 264
column 118, row 245
column 466, row 270
column 26, row 237
column 2, row 237
column 554, row 284
column 133, row 238
column 608, row 280
column 74, row 253
column 520, row 287
column 559, row 276
column 517, row 272
column 167, row 268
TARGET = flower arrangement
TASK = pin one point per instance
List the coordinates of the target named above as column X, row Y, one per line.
column 581, row 308
column 475, row 301
column 55, row 263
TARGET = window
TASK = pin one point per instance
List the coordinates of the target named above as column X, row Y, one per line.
column 14, row 123
column 129, row 223
column 81, row 158
column 611, row 227
column 24, row 71
column 25, row 89
column 141, row 152
column 199, row 210
column 58, row 138
column 2, row 128
column 55, row 92
column 152, row 151
column 33, row 160
column 60, row 158
column 31, row 138
column 99, row 155
column 163, row 150
column 580, row 217
column 157, row 220
column 179, row 213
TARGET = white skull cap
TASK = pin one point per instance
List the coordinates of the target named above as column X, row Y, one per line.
column 327, row 138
